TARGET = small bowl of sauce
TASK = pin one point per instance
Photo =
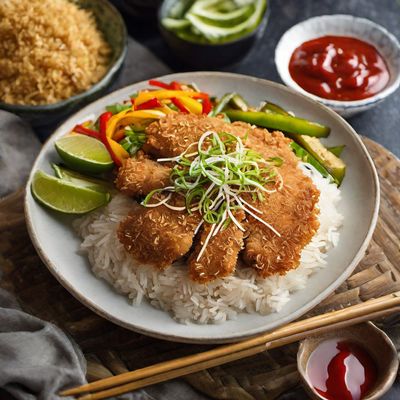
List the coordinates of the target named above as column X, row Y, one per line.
column 339, row 68
column 349, row 64
column 356, row 363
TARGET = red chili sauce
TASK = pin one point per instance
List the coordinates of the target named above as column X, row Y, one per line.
column 339, row 68
column 341, row 370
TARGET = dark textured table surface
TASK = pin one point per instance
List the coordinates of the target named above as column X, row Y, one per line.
column 380, row 124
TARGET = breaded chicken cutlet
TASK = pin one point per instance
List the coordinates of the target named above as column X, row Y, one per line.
column 157, row 236
column 140, row 175
column 220, row 256
column 291, row 210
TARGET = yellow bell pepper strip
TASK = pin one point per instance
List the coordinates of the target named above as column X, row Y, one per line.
column 165, row 109
column 191, row 105
column 164, row 94
column 130, row 117
column 117, row 152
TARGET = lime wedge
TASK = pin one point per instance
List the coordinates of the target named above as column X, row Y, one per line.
column 84, row 153
column 78, row 179
column 64, row 196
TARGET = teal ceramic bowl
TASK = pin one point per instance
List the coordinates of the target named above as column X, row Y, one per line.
column 110, row 22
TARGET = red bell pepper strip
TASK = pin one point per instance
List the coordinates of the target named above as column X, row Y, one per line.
column 207, row 106
column 179, row 105
column 174, row 85
column 152, row 103
column 200, row 95
column 86, row 131
column 103, row 119
column 163, row 85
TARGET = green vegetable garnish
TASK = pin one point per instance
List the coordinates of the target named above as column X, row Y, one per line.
column 117, row 107
column 133, row 141
column 222, row 103
column 214, row 175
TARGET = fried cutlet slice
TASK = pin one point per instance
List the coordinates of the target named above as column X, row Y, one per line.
column 220, row 256
column 157, row 236
column 140, row 175
column 291, row 211
column 171, row 135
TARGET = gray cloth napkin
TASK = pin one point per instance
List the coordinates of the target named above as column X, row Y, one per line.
column 36, row 358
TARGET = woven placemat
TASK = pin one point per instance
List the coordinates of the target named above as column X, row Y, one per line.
column 110, row 349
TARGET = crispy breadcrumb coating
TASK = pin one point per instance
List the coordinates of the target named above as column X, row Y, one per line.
column 140, row 175
column 157, row 236
column 220, row 256
column 292, row 211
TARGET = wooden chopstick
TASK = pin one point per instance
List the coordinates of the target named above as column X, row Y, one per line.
column 223, row 354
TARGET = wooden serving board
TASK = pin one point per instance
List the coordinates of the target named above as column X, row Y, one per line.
column 110, row 349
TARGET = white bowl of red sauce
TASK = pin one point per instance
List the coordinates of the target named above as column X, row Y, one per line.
column 348, row 63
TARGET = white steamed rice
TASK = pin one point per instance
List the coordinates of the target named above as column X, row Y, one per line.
column 218, row 301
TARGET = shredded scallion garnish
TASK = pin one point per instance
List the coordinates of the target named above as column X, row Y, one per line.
column 212, row 175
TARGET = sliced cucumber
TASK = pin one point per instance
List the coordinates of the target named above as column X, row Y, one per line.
column 306, row 157
column 179, row 8
column 337, row 150
column 218, row 32
column 334, row 165
column 174, row 24
column 222, row 103
column 202, row 9
column 239, row 103
column 272, row 107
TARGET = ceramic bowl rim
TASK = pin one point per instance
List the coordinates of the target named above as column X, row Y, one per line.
column 231, row 337
column 112, row 68
column 339, row 104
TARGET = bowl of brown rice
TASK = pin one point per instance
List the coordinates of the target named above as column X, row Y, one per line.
column 56, row 55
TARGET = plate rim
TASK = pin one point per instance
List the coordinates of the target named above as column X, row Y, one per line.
column 232, row 337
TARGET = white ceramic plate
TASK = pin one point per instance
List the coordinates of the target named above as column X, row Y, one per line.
column 58, row 245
